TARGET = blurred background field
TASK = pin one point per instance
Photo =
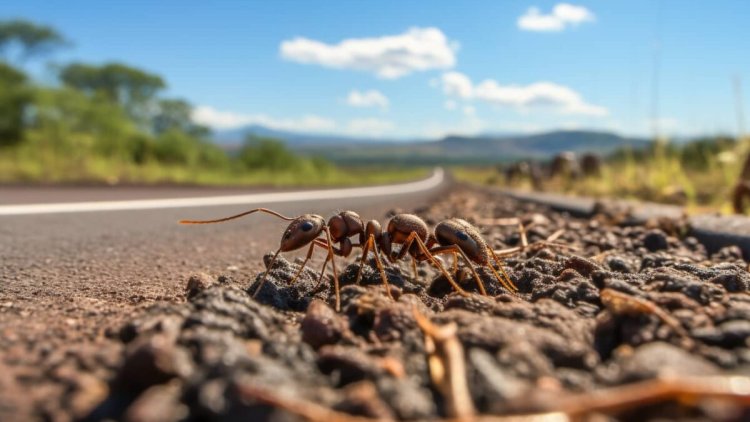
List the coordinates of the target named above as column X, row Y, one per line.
column 699, row 174
column 109, row 122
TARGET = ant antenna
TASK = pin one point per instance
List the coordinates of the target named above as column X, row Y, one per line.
column 221, row 220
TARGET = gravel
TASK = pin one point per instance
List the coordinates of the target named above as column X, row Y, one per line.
column 200, row 360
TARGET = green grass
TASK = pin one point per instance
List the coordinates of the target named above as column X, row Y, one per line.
column 24, row 166
column 662, row 176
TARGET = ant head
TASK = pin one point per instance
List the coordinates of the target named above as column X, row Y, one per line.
column 461, row 233
column 301, row 231
column 345, row 224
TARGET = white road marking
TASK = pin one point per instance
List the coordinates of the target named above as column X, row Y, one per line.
column 433, row 181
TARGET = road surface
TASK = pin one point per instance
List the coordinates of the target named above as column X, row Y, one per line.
column 70, row 275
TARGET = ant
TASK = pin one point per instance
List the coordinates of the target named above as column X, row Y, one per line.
column 407, row 230
column 303, row 230
column 454, row 236
column 459, row 237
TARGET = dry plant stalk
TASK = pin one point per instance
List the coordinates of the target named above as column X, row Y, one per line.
column 447, row 366
column 620, row 303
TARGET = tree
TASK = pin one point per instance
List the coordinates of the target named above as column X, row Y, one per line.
column 15, row 97
column 132, row 88
column 176, row 114
column 267, row 153
column 30, row 38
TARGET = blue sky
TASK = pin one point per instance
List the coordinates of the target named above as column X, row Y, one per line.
column 422, row 69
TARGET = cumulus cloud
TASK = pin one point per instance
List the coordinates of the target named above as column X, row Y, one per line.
column 563, row 15
column 370, row 98
column 457, row 84
column 537, row 95
column 217, row 119
column 389, row 57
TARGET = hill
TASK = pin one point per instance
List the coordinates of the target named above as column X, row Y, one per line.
column 482, row 149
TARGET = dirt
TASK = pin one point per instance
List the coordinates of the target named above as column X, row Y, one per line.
column 603, row 305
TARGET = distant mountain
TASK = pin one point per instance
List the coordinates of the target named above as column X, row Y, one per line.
column 481, row 149
column 292, row 139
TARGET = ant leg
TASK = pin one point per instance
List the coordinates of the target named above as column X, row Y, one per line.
column 335, row 273
column 221, row 220
column 455, row 263
column 426, row 252
column 307, row 258
column 454, row 249
column 263, row 279
column 365, row 250
column 322, row 272
column 505, row 280
column 414, row 268
column 370, row 244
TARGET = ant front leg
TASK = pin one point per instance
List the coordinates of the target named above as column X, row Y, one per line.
column 333, row 265
column 265, row 274
column 371, row 244
column 506, row 281
column 413, row 237
column 316, row 242
column 454, row 249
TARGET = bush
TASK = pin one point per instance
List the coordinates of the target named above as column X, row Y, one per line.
column 267, row 154
column 15, row 97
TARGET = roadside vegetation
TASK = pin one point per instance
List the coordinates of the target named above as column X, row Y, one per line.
column 699, row 174
column 111, row 123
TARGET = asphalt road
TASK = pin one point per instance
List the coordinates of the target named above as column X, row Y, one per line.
column 66, row 278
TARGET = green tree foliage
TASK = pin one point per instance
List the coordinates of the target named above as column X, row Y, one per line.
column 109, row 122
column 176, row 114
column 130, row 87
column 15, row 97
column 258, row 153
column 68, row 121
column 30, row 38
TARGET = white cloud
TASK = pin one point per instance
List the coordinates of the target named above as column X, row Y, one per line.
column 457, row 84
column 470, row 110
column 389, row 57
column 563, row 15
column 370, row 98
column 450, row 105
column 217, row 119
column 524, row 97
column 369, row 126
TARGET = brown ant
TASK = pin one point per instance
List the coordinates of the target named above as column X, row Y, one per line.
column 303, row 230
column 454, row 236
column 460, row 237
column 407, row 230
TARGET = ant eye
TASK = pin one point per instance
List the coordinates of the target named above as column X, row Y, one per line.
column 306, row 226
column 462, row 235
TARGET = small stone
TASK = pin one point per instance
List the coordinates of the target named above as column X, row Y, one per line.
column 655, row 240
column 659, row 359
column 198, row 283
column 158, row 403
column 735, row 332
column 322, row 325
